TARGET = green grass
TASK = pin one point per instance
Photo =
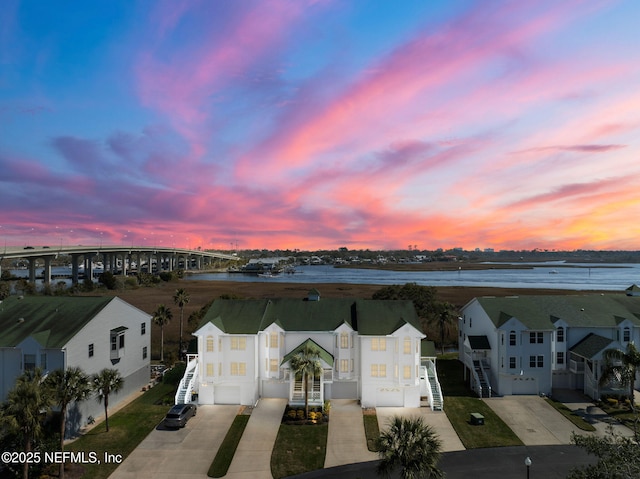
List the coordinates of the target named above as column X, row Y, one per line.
column 222, row 461
column 571, row 416
column 494, row 432
column 299, row 449
column 371, row 430
column 460, row 402
column 127, row 428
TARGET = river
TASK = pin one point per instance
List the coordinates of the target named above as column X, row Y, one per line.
column 570, row 276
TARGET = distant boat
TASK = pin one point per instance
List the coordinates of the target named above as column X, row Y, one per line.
column 268, row 274
column 553, row 271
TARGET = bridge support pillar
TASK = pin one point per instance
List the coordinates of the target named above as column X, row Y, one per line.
column 32, row 270
column 47, row 270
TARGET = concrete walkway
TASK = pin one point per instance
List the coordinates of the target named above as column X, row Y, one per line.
column 346, row 441
column 253, row 455
column 438, row 420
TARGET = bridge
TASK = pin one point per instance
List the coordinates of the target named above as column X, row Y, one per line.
column 116, row 259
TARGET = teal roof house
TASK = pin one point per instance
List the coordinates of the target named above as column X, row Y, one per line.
column 534, row 344
column 369, row 350
column 93, row 333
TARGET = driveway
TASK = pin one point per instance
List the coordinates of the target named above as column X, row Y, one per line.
column 346, row 441
column 537, row 423
column 185, row 453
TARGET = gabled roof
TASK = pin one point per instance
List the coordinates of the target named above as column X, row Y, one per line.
column 322, row 353
column 589, row 346
column 542, row 312
column 51, row 320
column 368, row 317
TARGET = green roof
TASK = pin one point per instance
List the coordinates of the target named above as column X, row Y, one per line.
column 51, row 320
column 368, row 317
column 479, row 342
column 322, row 353
column 590, row 345
column 542, row 312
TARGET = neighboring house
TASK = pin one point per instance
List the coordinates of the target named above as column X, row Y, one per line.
column 369, row 350
column 533, row 344
column 92, row 333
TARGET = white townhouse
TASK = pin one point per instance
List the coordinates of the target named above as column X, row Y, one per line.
column 370, row 350
column 58, row 332
column 533, row 344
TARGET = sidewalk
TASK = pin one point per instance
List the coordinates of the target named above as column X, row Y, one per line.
column 253, row 455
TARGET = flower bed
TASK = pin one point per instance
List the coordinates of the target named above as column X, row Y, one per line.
column 296, row 415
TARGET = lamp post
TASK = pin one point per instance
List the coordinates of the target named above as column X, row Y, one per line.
column 527, row 462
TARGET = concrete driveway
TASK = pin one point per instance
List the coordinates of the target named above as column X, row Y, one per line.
column 185, row 453
column 346, row 441
column 536, row 422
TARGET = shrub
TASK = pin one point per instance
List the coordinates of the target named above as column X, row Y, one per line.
column 612, row 401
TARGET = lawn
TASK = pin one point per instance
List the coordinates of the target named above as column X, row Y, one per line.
column 127, row 428
column 222, row 461
column 460, row 402
column 299, row 449
column 371, row 429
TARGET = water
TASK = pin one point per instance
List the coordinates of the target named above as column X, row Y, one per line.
column 570, row 276
column 580, row 276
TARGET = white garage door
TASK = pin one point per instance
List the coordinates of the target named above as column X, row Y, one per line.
column 226, row 395
column 524, row 385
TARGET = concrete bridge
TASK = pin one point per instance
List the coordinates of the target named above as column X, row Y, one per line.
column 117, row 259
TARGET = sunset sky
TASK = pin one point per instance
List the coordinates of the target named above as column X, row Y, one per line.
column 315, row 124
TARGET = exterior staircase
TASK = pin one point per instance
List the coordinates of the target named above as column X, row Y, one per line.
column 186, row 386
column 485, row 388
column 436, row 392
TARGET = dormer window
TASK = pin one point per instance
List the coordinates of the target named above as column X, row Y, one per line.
column 626, row 334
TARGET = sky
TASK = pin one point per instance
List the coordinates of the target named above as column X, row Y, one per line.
column 320, row 124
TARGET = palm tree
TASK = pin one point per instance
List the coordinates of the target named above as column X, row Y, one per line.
column 180, row 298
column 621, row 367
column 412, row 445
column 105, row 383
column 162, row 316
column 306, row 363
column 25, row 408
column 67, row 386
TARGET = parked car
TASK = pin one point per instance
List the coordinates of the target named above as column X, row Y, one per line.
column 179, row 414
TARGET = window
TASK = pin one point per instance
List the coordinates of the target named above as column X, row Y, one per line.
column 144, row 352
column 117, row 342
column 239, row 343
column 536, row 361
column 536, row 337
column 407, row 345
column 470, row 322
column 512, row 338
column 210, row 369
column 379, row 370
column 560, row 335
column 512, row 362
column 378, row 344
column 143, row 329
column 559, row 357
column 210, row 343
column 344, row 365
column 626, row 334
column 406, row 372
column 29, row 362
column 219, row 369
column 273, row 365
column 273, row 340
column 238, row 369
column 344, row 340
column 91, row 350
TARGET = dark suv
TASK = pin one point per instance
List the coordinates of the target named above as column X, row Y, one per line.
column 179, row 414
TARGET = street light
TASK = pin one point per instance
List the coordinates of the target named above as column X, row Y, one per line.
column 527, row 462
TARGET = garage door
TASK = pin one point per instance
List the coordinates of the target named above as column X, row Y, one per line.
column 389, row 397
column 226, row 395
column 524, row 385
column 344, row 390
